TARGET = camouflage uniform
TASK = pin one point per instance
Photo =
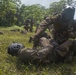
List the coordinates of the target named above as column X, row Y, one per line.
column 56, row 49
column 26, row 27
column 34, row 56
column 29, row 25
column 45, row 55
column 61, row 34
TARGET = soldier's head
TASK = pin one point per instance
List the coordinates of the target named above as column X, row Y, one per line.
column 14, row 48
column 68, row 12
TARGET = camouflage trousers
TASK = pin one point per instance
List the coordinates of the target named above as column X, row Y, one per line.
column 49, row 52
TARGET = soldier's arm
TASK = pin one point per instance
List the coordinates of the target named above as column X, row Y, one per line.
column 40, row 30
column 43, row 26
column 72, row 32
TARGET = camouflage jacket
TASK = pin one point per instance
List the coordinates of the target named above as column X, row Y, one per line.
column 60, row 30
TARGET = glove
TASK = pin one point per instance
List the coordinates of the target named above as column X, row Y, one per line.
column 35, row 40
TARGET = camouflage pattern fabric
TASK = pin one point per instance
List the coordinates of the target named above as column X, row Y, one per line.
column 29, row 25
column 30, row 55
column 61, row 32
column 49, row 52
column 64, row 48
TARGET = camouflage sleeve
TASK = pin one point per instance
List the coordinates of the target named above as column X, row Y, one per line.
column 73, row 32
column 43, row 26
column 40, row 31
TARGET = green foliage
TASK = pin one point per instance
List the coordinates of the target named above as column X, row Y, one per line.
column 57, row 7
column 7, row 12
column 13, row 12
column 36, row 12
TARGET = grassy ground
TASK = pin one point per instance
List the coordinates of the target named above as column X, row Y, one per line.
column 12, row 66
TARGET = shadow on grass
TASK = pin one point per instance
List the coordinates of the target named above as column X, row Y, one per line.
column 51, row 69
column 40, row 69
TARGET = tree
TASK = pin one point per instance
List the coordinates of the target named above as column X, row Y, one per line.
column 7, row 12
column 56, row 7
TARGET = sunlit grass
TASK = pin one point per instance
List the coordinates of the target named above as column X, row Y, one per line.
column 12, row 66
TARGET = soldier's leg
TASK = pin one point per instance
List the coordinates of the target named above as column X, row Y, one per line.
column 44, row 42
column 31, row 28
column 41, row 42
column 69, row 57
column 53, row 56
column 64, row 50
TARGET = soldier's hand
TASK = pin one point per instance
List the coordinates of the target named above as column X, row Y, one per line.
column 30, row 39
column 33, row 39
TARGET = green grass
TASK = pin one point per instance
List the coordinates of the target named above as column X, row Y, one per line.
column 12, row 66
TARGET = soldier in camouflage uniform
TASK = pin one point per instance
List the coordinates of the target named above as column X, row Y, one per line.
column 26, row 27
column 62, row 32
column 57, row 49
column 29, row 25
